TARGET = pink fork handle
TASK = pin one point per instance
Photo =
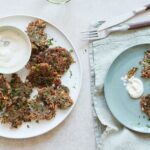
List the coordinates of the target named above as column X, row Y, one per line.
column 139, row 25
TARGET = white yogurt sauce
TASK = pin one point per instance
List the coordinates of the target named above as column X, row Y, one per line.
column 12, row 48
column 134, row 86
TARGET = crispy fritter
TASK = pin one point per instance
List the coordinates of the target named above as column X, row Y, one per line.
column 15, row 104
column 17, row 112
column 41, row 111
column 38, row 37
column 18, row 88
column 4, row 85
column 44, row 107
column 43, row 75
column 59, row 96
column 132, row 72
column 4, row 101
column 146, row 64
column 145, row 104
column 63, row 99
column 59, row 58
column 5, row 90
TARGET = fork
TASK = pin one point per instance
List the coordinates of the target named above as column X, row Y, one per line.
column 95, row 35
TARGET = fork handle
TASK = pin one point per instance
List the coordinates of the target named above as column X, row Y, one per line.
column 139, row 25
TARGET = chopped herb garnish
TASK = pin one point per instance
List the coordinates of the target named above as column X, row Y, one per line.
column 71, row 50
column 1, row 106
column 37, row 68
column 50, row 41
column 37, row 121
column 35, row 107
column 34, row 96
column 15, row 91
column 49, row 69
column 70, row 73
column 4, row 90
column 148, row 126
column 46, row 93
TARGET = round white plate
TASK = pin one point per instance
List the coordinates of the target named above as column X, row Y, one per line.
column 71, row 79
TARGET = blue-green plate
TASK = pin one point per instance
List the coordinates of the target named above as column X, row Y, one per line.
column 125, row 109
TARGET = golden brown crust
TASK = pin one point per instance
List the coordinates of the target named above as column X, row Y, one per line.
column 38, row 37
column 43, row 75
column 59, row 58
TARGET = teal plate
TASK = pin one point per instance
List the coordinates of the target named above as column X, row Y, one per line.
column 125, row 109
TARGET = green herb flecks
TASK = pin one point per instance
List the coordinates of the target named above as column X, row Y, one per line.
column 15, row 92
column 70, row 73
column 71, row 50
column 37, row 67
column 4, row 90
column 1, row 106
column 50, row 41
column 37, row 121
column 37, row 107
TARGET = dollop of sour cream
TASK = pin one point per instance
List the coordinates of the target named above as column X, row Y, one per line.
column 12, row 48
column 134, row 86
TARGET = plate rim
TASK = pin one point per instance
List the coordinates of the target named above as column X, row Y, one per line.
column 105, row 85
column 80, row 68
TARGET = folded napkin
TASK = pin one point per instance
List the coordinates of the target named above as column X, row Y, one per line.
column 110, row 134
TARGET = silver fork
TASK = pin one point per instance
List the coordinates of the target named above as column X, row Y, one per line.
column 95, row 35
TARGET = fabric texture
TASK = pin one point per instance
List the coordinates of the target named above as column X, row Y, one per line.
column 110, row 134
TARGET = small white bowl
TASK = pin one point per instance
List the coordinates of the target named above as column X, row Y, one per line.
column 23, row 56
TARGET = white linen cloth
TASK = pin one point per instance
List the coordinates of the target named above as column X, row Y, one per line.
column 115, row 136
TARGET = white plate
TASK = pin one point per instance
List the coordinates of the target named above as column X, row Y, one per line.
column 73, row 82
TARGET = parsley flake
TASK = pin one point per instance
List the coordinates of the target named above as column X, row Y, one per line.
column 50, row 41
